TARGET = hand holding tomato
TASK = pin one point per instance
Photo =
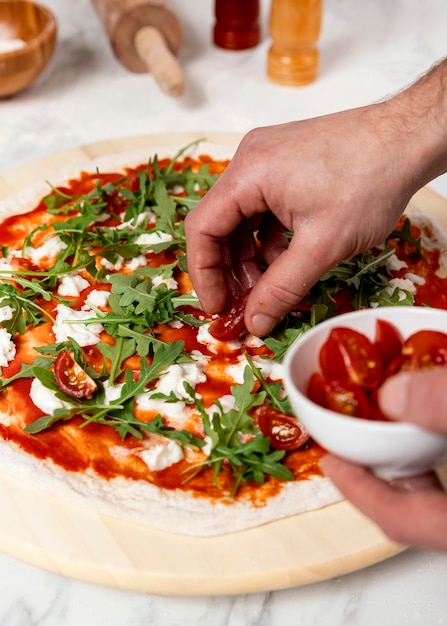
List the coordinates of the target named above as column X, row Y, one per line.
column 338, row 183
column 411, row 511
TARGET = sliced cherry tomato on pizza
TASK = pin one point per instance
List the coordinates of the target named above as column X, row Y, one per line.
column 71, row 378
column 230, row 325
column 341, row 396
column 285, row 432
column 350, row 356
column 388, row 342
column 425, row 348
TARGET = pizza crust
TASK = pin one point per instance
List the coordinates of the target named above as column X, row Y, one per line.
column 169, row 511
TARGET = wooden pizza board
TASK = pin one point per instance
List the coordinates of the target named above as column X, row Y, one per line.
column 55, row 535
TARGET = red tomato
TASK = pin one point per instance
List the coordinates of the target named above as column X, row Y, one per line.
column 347, row 355
column 388, row 341
column 348, row 398
column 71, row 378
column 425, row 348
column 394, row 366
column 316, row 389
column 341, row 396
column 284, row 431
column 230, row 325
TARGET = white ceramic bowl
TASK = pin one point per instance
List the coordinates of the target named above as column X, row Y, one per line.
column 390, row 449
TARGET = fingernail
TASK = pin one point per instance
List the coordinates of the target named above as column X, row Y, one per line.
column 262, row 324
column 394, row 395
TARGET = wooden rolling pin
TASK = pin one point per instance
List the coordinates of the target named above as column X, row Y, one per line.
column 145, row 36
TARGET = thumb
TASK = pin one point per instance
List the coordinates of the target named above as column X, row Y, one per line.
column 419, row 396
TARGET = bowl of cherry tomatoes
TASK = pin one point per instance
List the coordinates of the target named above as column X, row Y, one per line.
column 332, row 375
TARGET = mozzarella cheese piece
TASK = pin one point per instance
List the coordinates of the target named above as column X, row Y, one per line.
column 45, row 399
column 72, row 285
column 49, row 250
column 401, row 284
column 7, row 347
column 172, row 380
column 84, row 334
column 6, row 313
column 151, row 239
column 214, row 345
column 98, row 298
column 171, row 283
column 160, row 456
column 117, row 266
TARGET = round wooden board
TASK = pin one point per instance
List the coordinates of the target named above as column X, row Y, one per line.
column 73, row 541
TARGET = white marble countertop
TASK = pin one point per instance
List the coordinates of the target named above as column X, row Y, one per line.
column 369, row 49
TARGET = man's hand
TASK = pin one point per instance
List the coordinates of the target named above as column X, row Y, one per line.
column 411, row 511
column 337, row 183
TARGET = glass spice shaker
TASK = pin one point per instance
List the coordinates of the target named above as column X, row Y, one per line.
column 293, row 58
column 237, row 24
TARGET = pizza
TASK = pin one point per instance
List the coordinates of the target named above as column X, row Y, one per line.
column 119, row 393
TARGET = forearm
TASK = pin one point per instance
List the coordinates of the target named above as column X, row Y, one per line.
column 419, row 115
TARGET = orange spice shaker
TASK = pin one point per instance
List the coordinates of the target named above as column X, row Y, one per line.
column 237, row 24
column 295, row 25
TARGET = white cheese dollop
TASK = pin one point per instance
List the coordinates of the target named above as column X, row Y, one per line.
column 393, row 263
column 6, row 313
column 98, row 298
column 172, row 379
column 49, row 250
column 7, row 347
column 401, row 284
column 113, row 266
column 136, row 262
column 130, row 224
column 5, row 268
column 45, row 399
column 415, row 278
column 72, row 285
column 84, row 334
column 204, row 336
column 150, row 239
column 160, row 456
column 112, row 392
column 172, row 410
column 171, row 283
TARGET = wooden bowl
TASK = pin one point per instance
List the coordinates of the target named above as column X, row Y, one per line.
column 27, row 39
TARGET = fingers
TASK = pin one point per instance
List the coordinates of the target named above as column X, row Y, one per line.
column 286, row 281
column 272, row 238
column 216, row 230
column 417, row 517
column 419, row 396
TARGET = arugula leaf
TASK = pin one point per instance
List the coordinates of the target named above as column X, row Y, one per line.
column 27, row 370
column 404, row 234
column 250, row 459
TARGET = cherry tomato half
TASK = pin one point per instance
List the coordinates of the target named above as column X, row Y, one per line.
column 230, row 325
column 348, row 355
column 284, row 431
column 425, row 348
column 388, row 341
column 71, row 378
column 341, row 396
